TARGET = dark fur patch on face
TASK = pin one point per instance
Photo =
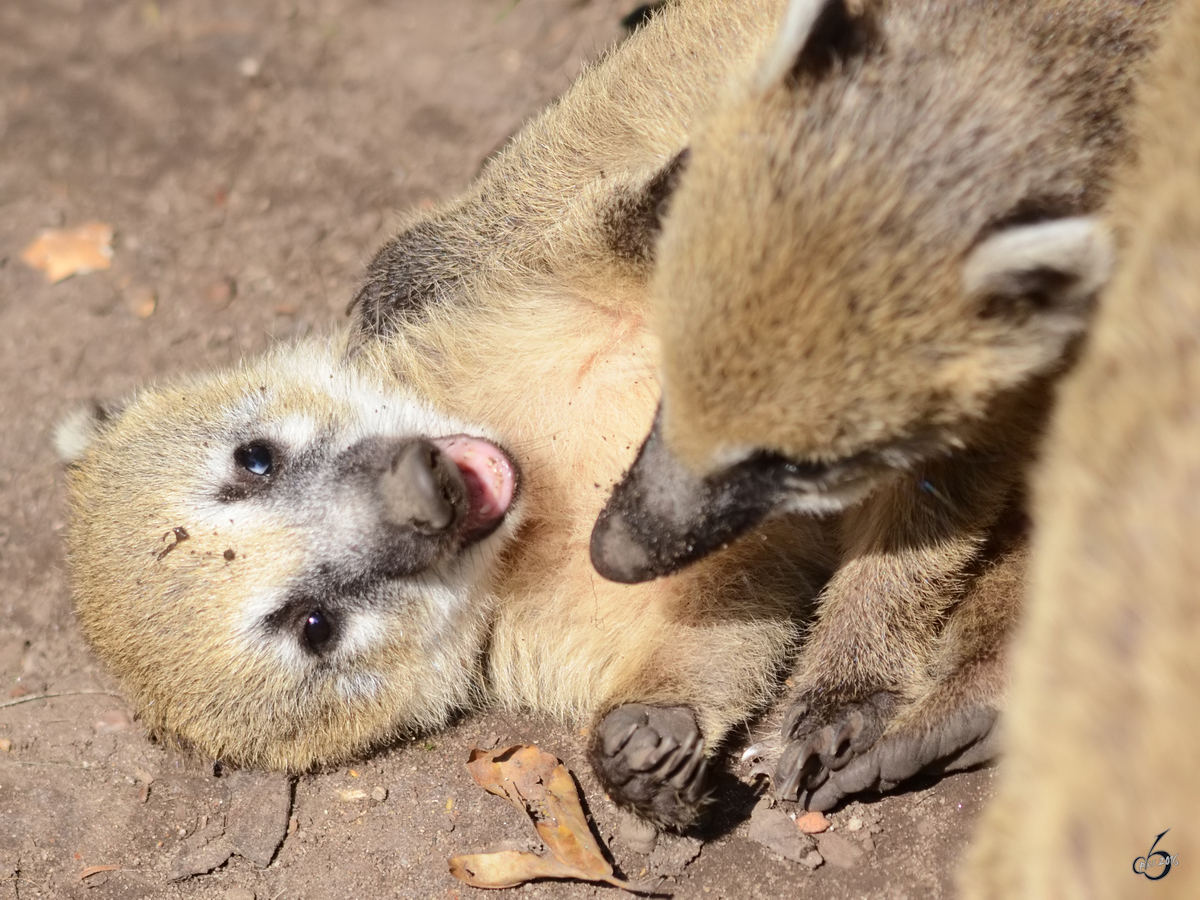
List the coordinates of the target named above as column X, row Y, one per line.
column 633, row 218
column 405, row 277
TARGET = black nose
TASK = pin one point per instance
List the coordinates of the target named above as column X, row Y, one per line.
column 422, row 489
column 661, row 517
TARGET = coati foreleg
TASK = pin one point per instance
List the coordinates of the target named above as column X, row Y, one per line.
column 903, row 668
column 950, row 726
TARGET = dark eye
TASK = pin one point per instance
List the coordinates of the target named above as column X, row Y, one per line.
column 317, row 629
column 257, row 459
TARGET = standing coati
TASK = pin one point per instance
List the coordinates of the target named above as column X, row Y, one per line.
column 1099, row 788
column 294, row 561
column 868, row 277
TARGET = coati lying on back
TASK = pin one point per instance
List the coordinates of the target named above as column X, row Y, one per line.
column 870, row 273
column 344, row 541
column 1100, row 788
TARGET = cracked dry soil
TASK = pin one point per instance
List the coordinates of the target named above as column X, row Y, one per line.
column 250, row 158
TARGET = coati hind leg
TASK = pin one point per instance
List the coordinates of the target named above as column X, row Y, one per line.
column 726, row 637
column 950, row 727
column 652, row 760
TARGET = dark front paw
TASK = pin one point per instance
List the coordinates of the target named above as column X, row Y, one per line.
column 962, row 740
column 822, row 737
column 651, row 760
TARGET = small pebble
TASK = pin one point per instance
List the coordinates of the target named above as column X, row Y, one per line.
column 839, row 851
column 112, row 721
column 5, row 745
column 813, row 860
column 142, row 301
column 239, row 893
column 221, row 292
column 812, row 823
column 637, row 834
column 379, row 794
column 854, row 824
column 778, row 833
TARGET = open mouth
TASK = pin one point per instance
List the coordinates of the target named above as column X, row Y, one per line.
column 491, row 479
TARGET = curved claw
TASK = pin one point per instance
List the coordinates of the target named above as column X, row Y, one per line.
column 620, row 726
column 794, row 765
column 679, row 770
column 842, row 745
column 823, row 738
column 651, row 760
column 646, row 750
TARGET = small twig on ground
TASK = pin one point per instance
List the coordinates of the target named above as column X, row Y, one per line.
column 33, row 697
column 25, row 762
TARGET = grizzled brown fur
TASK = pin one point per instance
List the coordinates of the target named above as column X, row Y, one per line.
column 875, row 265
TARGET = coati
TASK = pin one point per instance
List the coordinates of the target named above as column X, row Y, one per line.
column 1098, row 791
column 348, row 540
column 881, row 251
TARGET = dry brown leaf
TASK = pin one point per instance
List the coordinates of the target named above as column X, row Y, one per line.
column 540, row 786
column 63, row 252
column 506, row 868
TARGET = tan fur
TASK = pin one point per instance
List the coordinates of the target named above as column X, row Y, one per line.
column 548, row 211
column 859, row 198
column 844, row 280
column 167, row 609
column 518, row 311
column 1103, row 732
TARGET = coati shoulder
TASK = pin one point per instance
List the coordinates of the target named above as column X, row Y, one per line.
column 881, row 253
column 1099, row 783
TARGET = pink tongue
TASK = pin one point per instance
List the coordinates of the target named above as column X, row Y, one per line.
column 489, row 476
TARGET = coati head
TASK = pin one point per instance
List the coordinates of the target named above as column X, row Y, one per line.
column 289, row 561
column 879, row 235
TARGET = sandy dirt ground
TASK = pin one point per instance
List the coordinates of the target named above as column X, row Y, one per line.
column 250, row 157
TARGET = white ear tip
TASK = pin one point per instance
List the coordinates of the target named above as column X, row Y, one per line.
column 1080, row 246
column 75, row 433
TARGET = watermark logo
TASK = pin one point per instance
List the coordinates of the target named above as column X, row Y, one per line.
column 1155, row 859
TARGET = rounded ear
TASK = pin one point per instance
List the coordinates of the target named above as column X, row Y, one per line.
column 814, row 34
column 1062, row 263
column 78, row 429
column 1035, row 285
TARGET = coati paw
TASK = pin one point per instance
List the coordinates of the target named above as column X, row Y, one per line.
column 821, row 738
column 966, row 739
column 651, row 760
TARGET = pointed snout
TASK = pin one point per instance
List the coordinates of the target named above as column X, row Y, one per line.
column 662, row 517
